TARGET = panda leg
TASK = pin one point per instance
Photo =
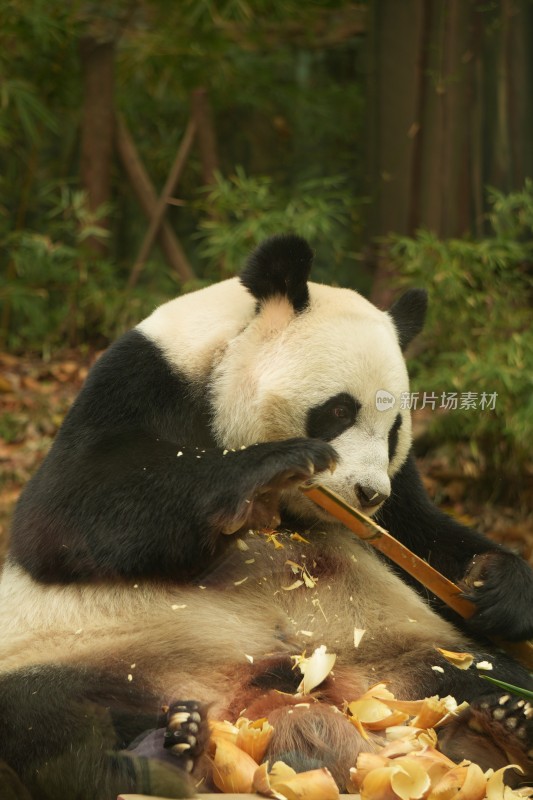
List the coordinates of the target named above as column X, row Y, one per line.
column 496, row 729
column 64, row 732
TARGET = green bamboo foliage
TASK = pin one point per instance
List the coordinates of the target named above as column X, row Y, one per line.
column 479, row 336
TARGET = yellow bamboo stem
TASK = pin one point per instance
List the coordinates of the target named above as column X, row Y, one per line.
column 369, row 531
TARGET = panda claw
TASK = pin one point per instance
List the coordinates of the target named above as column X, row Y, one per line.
column 181, row 747
column 186, row 733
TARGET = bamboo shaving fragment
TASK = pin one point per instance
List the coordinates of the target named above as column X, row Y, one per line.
column 305, row 575
column 295, row 585
column 272, row 536
column 464, row 782
column 317, row 784
column 233, row 769
column 496, row 789
column 431, row 712
column 254, row 737
column 371, row 712
column 314, row 669
column 297, row 538
column 263, row 783
column 241, row 545
column 459, row 660
column 407, row 780
column 283, row 783
column 358, row 634
column 404, row 739
column 221, row 730
column 423, row 773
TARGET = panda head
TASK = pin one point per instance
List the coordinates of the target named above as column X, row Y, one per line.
column 323, row 362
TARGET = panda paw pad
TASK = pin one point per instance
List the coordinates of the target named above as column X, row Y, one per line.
column 186, row 732
column 516, row 715
column 510, row 721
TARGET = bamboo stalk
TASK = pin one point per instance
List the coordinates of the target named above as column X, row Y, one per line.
column 369, row 531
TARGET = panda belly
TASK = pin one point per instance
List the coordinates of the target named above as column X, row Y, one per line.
column 266, row 600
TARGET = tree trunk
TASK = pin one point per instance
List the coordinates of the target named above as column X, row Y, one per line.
column 205, row 134
column 161, row 205
column 97, row 61
column 448, row 111
column 147, row 197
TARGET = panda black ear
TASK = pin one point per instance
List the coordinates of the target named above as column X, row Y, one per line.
column 280, row 266
column 408, row 314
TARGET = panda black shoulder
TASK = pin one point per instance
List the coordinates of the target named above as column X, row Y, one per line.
column 133, row 385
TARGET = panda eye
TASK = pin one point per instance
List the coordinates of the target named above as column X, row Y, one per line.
column 341, row 412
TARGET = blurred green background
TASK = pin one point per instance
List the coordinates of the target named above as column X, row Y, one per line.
column 394, row 134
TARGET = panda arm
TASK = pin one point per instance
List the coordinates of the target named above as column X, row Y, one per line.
column 499, row 582
column 133, row 484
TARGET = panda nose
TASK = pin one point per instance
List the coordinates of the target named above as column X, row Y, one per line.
column 369, row 497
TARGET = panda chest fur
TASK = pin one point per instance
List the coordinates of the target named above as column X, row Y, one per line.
column 325, row 584
column 269, row 593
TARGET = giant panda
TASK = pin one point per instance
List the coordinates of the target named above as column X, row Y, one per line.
column 142, row 597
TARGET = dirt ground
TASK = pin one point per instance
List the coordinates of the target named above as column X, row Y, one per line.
column 35, row 396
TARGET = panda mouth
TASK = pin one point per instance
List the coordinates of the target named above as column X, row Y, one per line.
column 370, row 499
column 370, row 510
column 336, row 501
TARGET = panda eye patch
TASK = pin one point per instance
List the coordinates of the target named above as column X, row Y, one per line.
column 393, row 436
column 330, row 419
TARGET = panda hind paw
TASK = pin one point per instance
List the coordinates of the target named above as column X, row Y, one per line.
column 186, row 732
column 496, row 730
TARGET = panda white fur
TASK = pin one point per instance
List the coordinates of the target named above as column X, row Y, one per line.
column 137, row 577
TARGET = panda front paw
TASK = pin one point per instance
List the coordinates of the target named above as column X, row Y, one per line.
column 500, row 584
column 186, row 732
column 262, row 472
